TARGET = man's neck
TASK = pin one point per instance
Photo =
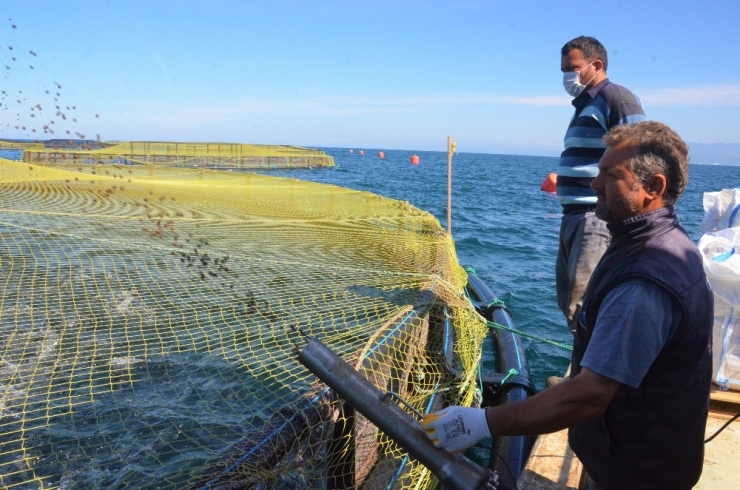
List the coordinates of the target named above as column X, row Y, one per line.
column 599, row 78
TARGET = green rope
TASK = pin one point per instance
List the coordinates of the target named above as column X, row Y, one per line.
column 496, row 302
column 529, row 336
column 512, row 372
column 500, row 303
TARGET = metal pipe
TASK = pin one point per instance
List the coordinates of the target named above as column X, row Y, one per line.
column 454, row 471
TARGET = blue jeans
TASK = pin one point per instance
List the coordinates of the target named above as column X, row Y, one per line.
column 583, row 240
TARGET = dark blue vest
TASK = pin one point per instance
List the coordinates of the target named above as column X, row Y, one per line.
column 653, row 436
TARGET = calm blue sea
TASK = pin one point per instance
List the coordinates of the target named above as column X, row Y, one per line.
column 503, row 225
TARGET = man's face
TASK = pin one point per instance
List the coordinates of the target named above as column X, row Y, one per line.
column 619, row 195
column 574, row 61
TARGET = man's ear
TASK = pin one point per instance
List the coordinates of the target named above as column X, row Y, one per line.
column 656, row 186
column 598, row 64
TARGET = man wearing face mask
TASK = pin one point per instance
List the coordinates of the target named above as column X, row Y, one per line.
column 599, row 106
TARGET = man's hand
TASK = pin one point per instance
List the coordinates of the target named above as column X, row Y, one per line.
column 456, row 428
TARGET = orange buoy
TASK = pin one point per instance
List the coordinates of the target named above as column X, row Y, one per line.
column 414, row 160
column 381, row 155
column 549, row 184
column 351, row 150
column 362, row 152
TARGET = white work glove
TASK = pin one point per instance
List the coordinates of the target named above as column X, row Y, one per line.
column 456, row 428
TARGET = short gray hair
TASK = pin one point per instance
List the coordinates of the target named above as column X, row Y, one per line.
column 658, row 150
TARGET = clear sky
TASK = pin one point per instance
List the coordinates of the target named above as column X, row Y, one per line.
column 380, row 74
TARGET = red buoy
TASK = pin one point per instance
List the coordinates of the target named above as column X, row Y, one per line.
column 550, row 183
column 362, row 152
column 414, row 160
column 381, row 155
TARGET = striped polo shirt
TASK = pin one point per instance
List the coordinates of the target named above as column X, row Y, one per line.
column 598, row 109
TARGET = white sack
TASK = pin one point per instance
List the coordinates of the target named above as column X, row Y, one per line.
column 721, row 253
column 721, row 210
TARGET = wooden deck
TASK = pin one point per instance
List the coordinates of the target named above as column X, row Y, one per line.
column 553, row 466
column 721, row 462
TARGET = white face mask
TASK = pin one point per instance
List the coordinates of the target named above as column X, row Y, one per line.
column 572, row 82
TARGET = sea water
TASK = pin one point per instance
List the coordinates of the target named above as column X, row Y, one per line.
column 503, row 225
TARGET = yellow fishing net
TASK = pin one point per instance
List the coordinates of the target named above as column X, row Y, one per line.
column 215, row 155
column 146, row 335
column 20, row 145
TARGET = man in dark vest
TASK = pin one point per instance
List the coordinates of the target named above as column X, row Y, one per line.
column 637, row 402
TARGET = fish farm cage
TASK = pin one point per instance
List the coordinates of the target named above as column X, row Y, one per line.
column 149, row 318
column 185, row 155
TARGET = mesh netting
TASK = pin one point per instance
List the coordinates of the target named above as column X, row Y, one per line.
column 12, row 145
column 147, row 340
column 218, row 155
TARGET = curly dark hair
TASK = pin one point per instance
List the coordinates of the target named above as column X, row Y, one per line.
column 591, row 48
column 658, row 150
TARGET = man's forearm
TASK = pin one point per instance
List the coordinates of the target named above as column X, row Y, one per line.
column 569, row 403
